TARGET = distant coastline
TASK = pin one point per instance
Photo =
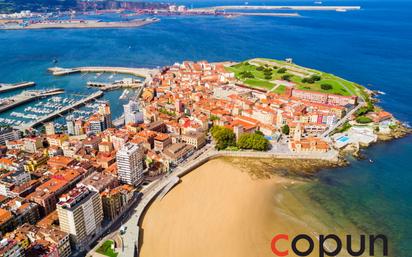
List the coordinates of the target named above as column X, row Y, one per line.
column 86, row 24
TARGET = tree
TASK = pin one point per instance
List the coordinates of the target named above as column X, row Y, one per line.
column 247, row 74
column 224, row 137
column 287, row 77
column 363, row 120
column 285, row 129
column 282, row 70
column 253, row 141
column 326, row 86
column 214, row 117
column 316, row 77
column 259, row 132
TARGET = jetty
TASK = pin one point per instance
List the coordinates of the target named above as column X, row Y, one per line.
column 116, row 85
column 279, row 8
column 139, row 72
column 9, row 87
column 25, row 97
column 59, row 112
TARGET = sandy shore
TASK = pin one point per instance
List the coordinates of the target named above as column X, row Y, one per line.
column 220, row 210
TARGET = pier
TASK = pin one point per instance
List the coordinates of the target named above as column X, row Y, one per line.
column 56, row 113
column 10, row 87
column 139, row 72
column 145, row 73
column 279, row 8
column 112, row 86
column 25, row 97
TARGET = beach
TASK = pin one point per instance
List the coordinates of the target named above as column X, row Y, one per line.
column 225, row 209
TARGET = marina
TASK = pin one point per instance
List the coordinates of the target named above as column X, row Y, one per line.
column 23, row 114
column 59, row 112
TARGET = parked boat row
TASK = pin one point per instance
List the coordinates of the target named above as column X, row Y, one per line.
column 11, row 122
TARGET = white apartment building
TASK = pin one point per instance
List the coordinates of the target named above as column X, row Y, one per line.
column 130, row 164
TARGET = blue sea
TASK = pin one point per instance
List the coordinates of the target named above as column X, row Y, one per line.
column 372, row 47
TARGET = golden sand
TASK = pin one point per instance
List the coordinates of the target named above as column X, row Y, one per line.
column 219, row 210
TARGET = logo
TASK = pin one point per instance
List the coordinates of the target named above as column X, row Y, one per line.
column 324, row 250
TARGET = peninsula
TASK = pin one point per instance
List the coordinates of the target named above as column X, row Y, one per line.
column 183, row 116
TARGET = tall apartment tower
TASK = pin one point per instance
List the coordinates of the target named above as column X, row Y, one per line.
column 132, row 114
column 104, row 110
column 130, row 164
column 80, row 215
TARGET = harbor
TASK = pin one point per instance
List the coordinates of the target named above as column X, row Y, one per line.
column 29, row 109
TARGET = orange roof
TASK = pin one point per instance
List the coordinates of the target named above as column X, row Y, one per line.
column 5, row 216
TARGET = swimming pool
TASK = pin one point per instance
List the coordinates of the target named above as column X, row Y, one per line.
column 342, row 139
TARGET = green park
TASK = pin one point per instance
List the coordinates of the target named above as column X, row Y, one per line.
column 275, row 76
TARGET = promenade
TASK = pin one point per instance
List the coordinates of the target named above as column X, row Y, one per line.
column 56, row 113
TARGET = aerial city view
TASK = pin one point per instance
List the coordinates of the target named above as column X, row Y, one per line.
column 208, row 128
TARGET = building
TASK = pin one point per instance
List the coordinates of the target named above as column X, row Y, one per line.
column 178, row 152
column 50, row 129
column 115, row 200
column 132, row 114
column 46, row 194
column 104, row 111
column 70, row 125
column 28, row 235
column 80, row 215
column 10, row 248
column 57, row 139
column 98, row 181
column 11, row 179
column 196, row 139
column 32, row 144
column 130, row 164
column 162, row 141
column 8, row 134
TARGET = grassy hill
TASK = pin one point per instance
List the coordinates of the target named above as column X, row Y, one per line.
column 274, row 75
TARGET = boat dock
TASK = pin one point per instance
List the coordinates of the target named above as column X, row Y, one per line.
column 26, row 96
column 9, row 87
column 59, row 112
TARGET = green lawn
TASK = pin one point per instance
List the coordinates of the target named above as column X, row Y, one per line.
column 280, row 89
column 259, row 83
column 339, row 86
column 106, row 249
